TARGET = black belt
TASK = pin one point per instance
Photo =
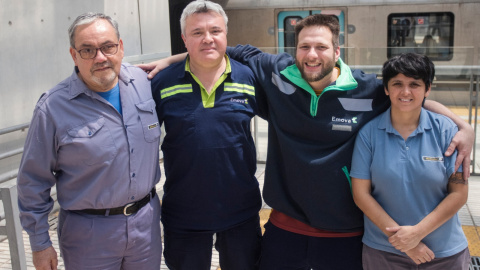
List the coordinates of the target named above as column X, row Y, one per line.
column 126, row 210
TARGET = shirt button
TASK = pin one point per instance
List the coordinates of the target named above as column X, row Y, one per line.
column 89, row 133
column 133, row 198
column 126, row 126
column 131, row 151
column 408, row 148
column 133, row 174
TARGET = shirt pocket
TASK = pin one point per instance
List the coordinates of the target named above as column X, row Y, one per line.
column 149, row 120
column 92, row 142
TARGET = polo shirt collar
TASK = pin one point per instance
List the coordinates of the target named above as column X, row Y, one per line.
column 228, row 68
column 386, row 123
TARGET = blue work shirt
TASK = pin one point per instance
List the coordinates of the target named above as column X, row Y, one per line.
column 409, row 178
column 97, row 157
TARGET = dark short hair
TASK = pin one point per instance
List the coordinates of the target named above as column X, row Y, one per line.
column 412, row 65
column 329, row 21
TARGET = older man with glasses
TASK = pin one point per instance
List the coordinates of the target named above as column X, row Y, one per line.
column 95, row 136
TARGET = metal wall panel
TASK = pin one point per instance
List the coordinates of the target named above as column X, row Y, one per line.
column 155, row 26
column 125, row 12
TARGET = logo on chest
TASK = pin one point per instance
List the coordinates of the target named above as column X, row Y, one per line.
column 343, row 124
column 242, row 101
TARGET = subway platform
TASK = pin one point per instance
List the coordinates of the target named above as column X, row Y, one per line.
column 469, row 217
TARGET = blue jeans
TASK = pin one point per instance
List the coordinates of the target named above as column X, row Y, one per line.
column 238, row 247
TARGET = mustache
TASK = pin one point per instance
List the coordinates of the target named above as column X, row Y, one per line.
column 105, row 64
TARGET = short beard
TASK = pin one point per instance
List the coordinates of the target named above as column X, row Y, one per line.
column 327, row 69
column 108, row 79
column 105, row 81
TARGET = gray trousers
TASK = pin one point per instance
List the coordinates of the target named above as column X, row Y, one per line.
column 374, row 259
column 94, row 242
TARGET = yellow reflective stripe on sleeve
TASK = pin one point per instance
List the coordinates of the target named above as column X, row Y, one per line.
column 176, row 89
column 240, row 88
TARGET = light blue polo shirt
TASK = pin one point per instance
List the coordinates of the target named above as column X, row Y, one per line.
column 409, row 178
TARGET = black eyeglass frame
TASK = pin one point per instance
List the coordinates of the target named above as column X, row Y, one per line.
column 102, row 48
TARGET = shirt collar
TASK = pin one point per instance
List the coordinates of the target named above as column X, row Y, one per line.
column 228, row 68
column 386, row 123
column 77, row 86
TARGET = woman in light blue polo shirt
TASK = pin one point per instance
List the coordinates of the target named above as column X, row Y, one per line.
column 403, row 182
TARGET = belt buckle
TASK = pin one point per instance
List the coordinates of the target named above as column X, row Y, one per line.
column 125, row 209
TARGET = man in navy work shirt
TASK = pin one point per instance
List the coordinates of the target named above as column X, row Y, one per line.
column 316, row 105
column 95, row 136
column 206, row 103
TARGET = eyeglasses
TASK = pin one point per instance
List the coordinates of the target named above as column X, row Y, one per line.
column 90, row 53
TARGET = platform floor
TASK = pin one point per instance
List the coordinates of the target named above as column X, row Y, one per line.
column 469, row 216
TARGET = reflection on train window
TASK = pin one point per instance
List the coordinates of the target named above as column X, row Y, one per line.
column 425, row 33
column 289, row 33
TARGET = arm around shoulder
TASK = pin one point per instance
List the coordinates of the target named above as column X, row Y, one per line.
column 154, row 67
column 463, row 140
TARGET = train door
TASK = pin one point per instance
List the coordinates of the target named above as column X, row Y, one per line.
column 286, row 26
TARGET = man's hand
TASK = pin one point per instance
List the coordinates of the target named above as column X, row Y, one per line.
column 153, row 68
column 463, row 141
column 420, row 254
column 45, row 259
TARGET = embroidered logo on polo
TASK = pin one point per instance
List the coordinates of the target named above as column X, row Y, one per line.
column 236, row 100
column 239, row 88
column 176, row 89
column 433, row 159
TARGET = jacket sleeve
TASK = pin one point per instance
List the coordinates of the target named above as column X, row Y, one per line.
column 258, row 62
column 243, row 53
column 35, row 180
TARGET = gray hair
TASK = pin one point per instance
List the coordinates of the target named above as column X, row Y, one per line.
column 88, row 18
column 201, row 6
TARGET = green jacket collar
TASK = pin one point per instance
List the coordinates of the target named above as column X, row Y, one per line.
column 344, row 82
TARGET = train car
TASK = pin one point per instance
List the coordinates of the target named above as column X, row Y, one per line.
column 371, row 31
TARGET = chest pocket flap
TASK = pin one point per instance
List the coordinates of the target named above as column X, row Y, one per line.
column 87, row 130
column 147, row 106
column 148, row 117
column 91, row 142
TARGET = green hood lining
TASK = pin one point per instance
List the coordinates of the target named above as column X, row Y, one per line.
column 344, row 82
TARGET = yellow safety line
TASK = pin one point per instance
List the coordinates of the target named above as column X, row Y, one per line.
column 472, row 234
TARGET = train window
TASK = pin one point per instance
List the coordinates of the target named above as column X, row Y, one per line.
column 426, row 33
column 289, row 33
